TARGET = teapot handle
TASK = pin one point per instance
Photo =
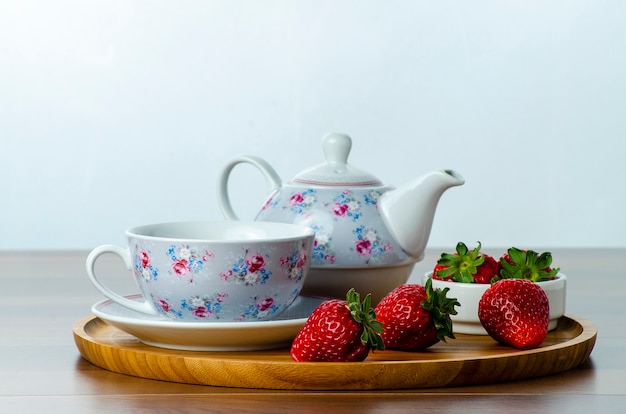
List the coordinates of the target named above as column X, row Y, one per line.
column 272, row 181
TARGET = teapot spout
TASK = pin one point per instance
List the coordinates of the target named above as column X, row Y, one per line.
column 409, row 210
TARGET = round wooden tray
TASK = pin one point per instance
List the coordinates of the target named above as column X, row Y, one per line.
column 466, row 360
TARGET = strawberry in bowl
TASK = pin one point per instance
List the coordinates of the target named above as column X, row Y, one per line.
column 469, row 273
column 466, row 266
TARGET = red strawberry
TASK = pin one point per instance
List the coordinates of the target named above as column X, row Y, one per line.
column 415, row 317
column 466, row 266
column 527, row 264
column 515, row 312
column 339, row 331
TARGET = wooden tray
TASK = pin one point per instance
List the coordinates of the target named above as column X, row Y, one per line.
column 467, row 360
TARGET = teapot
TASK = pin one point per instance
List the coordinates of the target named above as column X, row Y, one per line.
column 368, row 236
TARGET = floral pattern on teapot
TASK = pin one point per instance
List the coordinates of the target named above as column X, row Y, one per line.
column 369, row 243
column 346, row 205
column 301, row 203
column 340, row 212
column 323, row 247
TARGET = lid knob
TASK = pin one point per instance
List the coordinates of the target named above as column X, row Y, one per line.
column 336, row 149
column 336, row 171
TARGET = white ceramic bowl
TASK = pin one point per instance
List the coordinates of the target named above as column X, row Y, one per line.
column 205, row 271
column 468, row 294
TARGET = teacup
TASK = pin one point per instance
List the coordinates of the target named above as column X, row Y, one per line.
column 212, row 271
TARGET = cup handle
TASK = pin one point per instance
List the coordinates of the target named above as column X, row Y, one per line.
column 272, row 181
column 124, row 254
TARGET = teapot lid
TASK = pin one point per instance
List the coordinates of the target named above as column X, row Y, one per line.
column 336, row 170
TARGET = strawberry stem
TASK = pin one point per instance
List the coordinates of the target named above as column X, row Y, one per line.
column 363, row 313
column 440, row 308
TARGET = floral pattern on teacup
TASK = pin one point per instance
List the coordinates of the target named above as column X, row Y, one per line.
column 187, row 261
column 322, row 247
column 295, row 264
column 205, row 307
column 165, row 306
column 248, row 270
column 369, row 243
column 143, row 266
column 345, row 205
column 261, row 308
column 302, row 201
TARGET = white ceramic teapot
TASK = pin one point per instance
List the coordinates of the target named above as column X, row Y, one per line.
column 367, row 235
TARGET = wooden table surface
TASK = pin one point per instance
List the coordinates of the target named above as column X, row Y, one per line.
column 42, row 295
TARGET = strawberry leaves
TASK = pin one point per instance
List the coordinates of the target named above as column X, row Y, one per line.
column 363, row 313
column 528, row 265
column 460, row 267
column 473, row 266
column 440, row 308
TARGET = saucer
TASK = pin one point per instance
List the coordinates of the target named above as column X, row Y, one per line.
column 161, row 332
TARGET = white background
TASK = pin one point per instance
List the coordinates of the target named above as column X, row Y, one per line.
column 118, row 113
